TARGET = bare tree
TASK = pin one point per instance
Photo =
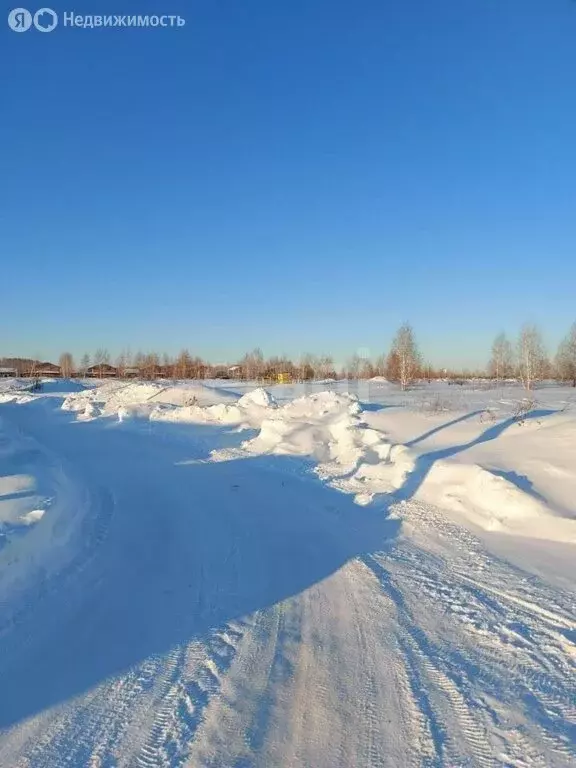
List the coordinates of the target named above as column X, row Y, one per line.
column 183, row 365
column 253, row 364
column 406, row 353
column 427, row 372
column 66, row 363
column 532, row 359
column 101, row 358
column 85, row 364
column 367, row 370
column 566, row 357
column 307, row 367
column 501, row 363
column 353, row 367
column 167, row 365
column 392, row 366
column 150, row 365
column 122, row 363
column 139, row 362
column 198, row 368
column 325, row 368
column 380, row 365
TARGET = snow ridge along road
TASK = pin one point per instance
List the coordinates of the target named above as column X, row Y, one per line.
column 243, row 613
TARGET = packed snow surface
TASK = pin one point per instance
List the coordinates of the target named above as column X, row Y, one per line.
column 334, row 574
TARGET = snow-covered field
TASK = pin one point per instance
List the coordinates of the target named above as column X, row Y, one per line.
column 319, row 575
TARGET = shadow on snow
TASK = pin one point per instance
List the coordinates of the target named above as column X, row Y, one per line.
column 189, row 546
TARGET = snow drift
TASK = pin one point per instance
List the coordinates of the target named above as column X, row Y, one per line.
column 358, row 459
column 350, row 452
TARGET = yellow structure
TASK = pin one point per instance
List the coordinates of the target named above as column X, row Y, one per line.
column 283, row 378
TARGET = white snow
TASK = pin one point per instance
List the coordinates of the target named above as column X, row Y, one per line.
column 34, row 516
column 319, row 575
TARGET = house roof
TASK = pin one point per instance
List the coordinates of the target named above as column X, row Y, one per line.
column 101, row 366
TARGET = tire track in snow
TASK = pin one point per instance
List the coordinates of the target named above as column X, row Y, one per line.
column 488, row 679
column 192, row 680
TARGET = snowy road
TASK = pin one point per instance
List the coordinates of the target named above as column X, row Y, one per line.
column 242, row 613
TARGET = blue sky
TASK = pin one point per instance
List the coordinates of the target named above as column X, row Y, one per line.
column 301, row 176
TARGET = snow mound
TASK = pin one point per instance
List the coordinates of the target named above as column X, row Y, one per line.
column 90, row 411
column 32, row 517
column 326, row 426
column 16, row 398
column 141, row 399
column 248, row 411
column 354, row 458
column 258, row 397
column 197, row 414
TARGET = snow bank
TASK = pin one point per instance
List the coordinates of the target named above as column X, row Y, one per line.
column 194, row 404
column 331, row 428
column 15, row 397
column 320, row 425
column 249, row 410
column 40, row 510
column 141, row 399
column 110, row 396
column 19, row 498
column 354, row 454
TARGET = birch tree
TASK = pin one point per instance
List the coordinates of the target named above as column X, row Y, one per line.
column 66, row 363
column 566, row 357
column 407, row 356
column 501, row 363
column 85, row 364
column 532, row 360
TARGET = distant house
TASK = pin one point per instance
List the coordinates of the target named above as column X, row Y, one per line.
column 8, row 373
column 46, row 370
column 102, row 371
column 131, row 373
column 157, row 372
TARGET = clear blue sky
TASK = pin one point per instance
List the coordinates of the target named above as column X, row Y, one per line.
column 301, row 175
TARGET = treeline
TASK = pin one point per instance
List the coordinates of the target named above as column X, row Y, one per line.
column 524, row 359
column 527, row 359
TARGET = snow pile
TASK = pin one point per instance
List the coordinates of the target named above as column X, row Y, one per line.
column 491, row 500
column 29, row 518
column 326, row 426
column 248, row 411
column 110, row 396
column 141, row 399
column 18, row 499
column 11, row 384
column 195, row 404
column 16, row 397
column 321, row 425
column 331, row 428
column 259, row 397
column 91, row 411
